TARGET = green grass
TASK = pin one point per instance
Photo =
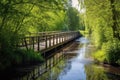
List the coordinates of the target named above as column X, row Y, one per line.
column 83, row 32
column 99, row 56
column 109, row 53
column 27, row 56
column 19, row 57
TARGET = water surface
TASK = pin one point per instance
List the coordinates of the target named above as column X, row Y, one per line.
column 80, row 66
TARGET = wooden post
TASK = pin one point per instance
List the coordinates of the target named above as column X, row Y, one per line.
column 33, row 43
column 46, row 41
column 60, row 38
column 25, row 43
column 64, row 36
column 53, row 39
column 38, row 43
column 49, row 40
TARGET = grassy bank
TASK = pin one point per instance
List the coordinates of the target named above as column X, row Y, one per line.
column 20, row 57
column 83, row 32
column 109, row 53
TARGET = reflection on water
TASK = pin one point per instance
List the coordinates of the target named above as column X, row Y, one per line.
column 79, row 67
column 82, row 68
column 53, row 73
column 97, row 73
column 76, row 65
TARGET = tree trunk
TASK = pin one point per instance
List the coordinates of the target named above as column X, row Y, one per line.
column 114, row 18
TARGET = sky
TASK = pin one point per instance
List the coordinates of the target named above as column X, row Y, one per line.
column 76, row 4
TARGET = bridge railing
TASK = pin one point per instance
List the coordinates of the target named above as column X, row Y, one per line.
column 43, row 41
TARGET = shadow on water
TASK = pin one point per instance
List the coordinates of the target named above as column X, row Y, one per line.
column 79, row 66
column 53, row 73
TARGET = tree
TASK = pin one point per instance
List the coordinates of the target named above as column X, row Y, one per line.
column 17, row 15
column 16, row 18
column 73, row 18
column 103, row 19
column 115, row 18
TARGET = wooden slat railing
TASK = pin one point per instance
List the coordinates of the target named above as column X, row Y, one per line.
column 41, row 41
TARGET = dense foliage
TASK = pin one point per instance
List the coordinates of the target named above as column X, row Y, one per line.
column 102, row 20
column 20, row 58
column 21, row 17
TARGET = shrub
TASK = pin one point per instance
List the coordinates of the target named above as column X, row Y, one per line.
column 99, row 56
column 19, row 57
column 112, row 51
column 28, row 56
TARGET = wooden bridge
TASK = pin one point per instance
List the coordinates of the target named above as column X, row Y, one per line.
column 45, row 42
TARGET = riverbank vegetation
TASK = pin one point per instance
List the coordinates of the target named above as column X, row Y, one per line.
column 18, row 18
column 102, row 20
column 20, row 58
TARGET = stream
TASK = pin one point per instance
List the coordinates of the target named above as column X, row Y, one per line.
column 78, row 65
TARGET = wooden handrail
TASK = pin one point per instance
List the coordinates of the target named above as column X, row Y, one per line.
column 45, row 40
